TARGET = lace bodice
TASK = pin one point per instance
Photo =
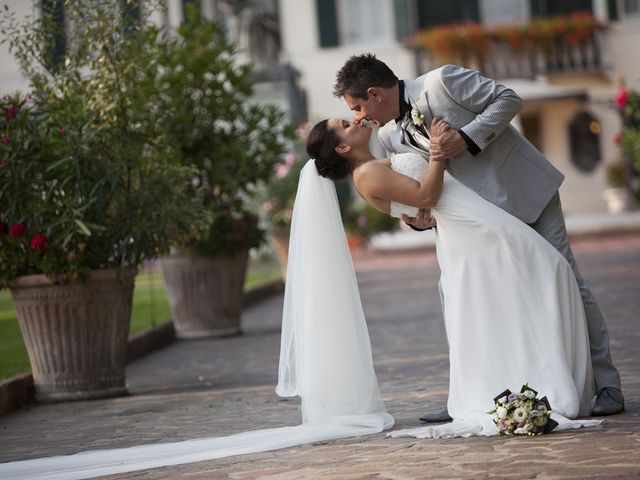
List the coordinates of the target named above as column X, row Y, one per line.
column 411, row 165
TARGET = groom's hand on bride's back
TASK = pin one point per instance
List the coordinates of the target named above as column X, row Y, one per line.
column 422, row 221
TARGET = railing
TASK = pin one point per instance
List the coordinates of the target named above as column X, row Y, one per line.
column 561, row 58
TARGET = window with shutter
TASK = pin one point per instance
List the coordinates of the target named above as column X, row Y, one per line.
column 131, row 14
column 54, row 23
column 186, row 4
column 549, row 8
column 327, row 23
column 403, row 16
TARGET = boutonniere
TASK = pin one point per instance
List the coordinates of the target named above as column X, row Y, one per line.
column 417, row 117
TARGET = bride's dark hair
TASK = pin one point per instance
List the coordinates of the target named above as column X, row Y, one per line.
column 321, row 145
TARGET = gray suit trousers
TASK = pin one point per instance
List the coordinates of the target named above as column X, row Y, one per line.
column 551, row 226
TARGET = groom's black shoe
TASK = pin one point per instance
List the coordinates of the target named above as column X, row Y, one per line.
column 435, row 417
column 608, row 402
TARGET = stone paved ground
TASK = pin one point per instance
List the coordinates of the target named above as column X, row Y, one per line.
column 218, row 387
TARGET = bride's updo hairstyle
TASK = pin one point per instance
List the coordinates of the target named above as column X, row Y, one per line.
column 321, row 145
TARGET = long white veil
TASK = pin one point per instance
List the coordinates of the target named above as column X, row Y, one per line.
column 325, row 354
column 325, row 358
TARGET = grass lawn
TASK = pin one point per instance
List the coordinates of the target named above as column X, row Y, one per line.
column 150, row 308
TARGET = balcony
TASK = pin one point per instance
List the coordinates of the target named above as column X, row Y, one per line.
column 554, row 46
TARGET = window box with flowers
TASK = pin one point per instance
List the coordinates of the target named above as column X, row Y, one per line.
column 203, row 107
column 89, row 190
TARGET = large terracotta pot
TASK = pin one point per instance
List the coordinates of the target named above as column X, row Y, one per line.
column 205, row 293
column 280, row 245
column 76, row 333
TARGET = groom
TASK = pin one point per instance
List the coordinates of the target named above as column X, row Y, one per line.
column 485, row 153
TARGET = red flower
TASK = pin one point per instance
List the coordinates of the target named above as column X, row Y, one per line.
column 16, row 230
column 10, row 112
column 621, row 99
column 618, row 138
column 5, row 140
column 39, row 242
column 3, row 228
column 240, row 225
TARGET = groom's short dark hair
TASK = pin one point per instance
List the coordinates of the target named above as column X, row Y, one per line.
column 361, row 72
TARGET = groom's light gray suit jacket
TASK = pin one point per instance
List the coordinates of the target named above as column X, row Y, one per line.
column 508, row 171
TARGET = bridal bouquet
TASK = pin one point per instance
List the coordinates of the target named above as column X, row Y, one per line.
column 522, row 413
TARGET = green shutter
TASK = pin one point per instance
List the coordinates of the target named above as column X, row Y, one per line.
column 612, row 7
column 549, row 8
column 53, row 24
column 131, row 14
column 190, row 4
column 402, row 14
column 439, row 12
column 327, row 23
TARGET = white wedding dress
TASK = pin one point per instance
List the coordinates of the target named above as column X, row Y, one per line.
column 512, row 310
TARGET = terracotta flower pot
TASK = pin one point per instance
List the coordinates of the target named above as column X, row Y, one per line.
column 76, row 333
column 281, row 247
column 205, row 293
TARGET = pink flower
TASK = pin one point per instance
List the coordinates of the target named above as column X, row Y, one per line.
column 39, row 242
column 621, row 99
column 16, row 230
column 62, row 131
column 617, row 138
column 282, row 170
column 304, row 130
column 10, row 112
column 290, row 158
column 5, row 140
column 240, row 225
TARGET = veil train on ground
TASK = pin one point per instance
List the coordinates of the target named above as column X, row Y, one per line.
column 325, row 358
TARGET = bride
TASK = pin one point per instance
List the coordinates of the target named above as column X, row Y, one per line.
column 512, row 311
column 511, row 305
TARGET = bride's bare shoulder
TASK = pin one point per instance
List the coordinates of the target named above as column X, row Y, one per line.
column 370, row 173
column 373, row 166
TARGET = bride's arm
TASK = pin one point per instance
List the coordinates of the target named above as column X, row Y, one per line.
column 380, row 182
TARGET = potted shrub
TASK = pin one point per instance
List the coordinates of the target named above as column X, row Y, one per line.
column 204, row 110
column 89, row 190
column 278, row 192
